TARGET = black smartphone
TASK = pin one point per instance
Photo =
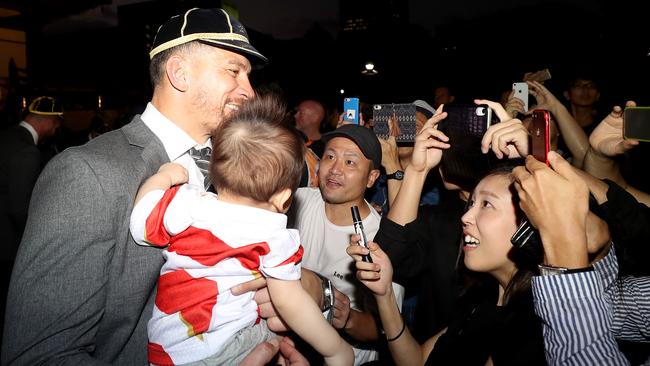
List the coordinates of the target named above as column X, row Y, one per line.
column 527, row 238
column 636, row 123
column 464, row 163
column 539, row 135
column 358, row 229
column 404, row 113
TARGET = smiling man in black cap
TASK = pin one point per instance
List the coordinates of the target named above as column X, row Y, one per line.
column 82, row 291
column 350, row 164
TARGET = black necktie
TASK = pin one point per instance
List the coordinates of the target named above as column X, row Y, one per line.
column 202, row 159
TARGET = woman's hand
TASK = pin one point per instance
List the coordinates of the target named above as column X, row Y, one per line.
column 507, row 138
column 377, row 276
column 429, row 144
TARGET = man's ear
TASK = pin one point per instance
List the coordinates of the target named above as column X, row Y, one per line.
column 176, row 69
column 372, row 177
column 281, row 200
column 451, row 98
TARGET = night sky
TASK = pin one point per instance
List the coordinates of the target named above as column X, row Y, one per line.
column 480, row 47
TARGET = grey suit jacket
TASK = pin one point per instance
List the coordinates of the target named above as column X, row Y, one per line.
column 82, row 291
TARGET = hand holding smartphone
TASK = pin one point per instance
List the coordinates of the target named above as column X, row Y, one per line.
column 527, row 237
column 539, row 135
column 358, row 229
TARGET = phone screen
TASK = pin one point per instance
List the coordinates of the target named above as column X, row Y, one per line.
column 636, row 123
column 539, row 132
column 351, row 110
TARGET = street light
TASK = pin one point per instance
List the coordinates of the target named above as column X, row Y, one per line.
column 370, row 69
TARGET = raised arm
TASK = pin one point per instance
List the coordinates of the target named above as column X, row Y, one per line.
column 427, row 153
column 606, row 142
column 572, row 134
column 390, row 162
column 576, row 318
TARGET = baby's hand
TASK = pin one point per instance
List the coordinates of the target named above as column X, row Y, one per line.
column 176, row 173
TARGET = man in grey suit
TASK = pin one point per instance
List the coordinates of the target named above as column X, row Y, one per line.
column 81, row 290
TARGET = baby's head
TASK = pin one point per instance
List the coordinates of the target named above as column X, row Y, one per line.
column 257, row 156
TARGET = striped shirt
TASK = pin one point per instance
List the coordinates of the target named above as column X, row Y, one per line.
column 585, row 313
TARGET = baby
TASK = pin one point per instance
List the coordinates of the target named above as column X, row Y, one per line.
column 213, row 243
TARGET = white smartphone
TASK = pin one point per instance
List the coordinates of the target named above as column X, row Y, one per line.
column 521, row 92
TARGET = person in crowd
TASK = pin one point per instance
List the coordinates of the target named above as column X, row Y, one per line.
column 443, row 95
column 21, row 161
column 81, row 290
column 309, row 116
column 497, row 312
column 349, row 166
column 584, row 307
column 423, row 240
column 20, row 165
column 216, row 242
column 582, row 94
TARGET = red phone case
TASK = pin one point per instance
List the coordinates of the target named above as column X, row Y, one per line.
column 539, row 132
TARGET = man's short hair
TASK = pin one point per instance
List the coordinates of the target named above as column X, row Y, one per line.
column 255, row 154
column 158, row 62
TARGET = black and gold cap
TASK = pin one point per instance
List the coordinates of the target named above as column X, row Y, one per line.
column 213, row 27
column 46, row 106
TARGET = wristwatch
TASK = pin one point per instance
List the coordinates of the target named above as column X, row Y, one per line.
column 548, row 270
column 398, row 175
column 328, row 292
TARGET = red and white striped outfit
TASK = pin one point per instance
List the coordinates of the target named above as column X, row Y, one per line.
column 211, row 246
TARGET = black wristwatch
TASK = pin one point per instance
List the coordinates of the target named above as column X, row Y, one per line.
column 398, row 175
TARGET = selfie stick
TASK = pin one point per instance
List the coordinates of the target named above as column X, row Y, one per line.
column 358, row 228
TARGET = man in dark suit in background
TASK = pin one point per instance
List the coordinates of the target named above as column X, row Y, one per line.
column 20, row 165
column 81, row 290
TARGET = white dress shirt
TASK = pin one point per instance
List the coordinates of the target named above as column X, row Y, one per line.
column 176, row 142
column 31, row 130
